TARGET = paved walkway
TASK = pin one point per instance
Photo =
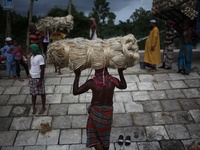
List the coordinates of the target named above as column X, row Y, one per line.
column 160, row 111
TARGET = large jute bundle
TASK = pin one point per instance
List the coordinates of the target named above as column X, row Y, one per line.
column 173, row 9
column 79, row 52
column 54, row 23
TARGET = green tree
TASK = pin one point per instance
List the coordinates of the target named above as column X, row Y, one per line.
column 19, row 28
column 141, row 27
column 125, row 27
column 109, row 29
column 18, row 24
column 104, row 18
column 57, row 12
column 100, row 11
column 140, row 22
column 81, row 24
column 111, row 18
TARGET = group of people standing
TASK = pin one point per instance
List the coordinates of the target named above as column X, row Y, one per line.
column 152, row 55
column 15, row 57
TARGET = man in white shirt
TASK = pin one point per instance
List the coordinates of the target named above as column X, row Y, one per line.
column 36, row 82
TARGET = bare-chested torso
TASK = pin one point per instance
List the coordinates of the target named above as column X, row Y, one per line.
column 102, row 95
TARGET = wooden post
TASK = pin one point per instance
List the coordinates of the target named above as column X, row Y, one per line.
column 30, row 14
column 69, row 7
column 8, row 24
column 69, row 13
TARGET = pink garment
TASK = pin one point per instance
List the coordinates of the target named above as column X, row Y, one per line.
column 93, row 21
column 102, row 77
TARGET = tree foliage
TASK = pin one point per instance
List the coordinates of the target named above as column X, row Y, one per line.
column 104, row 18
column 57, row 12
column 100, row 11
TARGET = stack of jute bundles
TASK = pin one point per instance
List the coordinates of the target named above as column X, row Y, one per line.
column 177, row 10
column 54, row 23
column 82, row 53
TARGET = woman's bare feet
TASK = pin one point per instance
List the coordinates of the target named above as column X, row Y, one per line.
column 34, row 111
column 42, row 111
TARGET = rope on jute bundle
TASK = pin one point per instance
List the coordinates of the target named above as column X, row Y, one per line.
column 83, row 53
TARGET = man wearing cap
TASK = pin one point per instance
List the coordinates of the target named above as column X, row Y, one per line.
column 7, row 46
column 9, row 53
column 36, row 81
column 152, row 47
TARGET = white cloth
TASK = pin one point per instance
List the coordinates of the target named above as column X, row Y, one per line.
column 46, row 38
column 153, row 21
column 95, row 34
column 36, row 62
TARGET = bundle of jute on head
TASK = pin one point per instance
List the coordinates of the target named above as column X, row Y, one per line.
column 81, row 53
column 54, row 23
column 177, row 10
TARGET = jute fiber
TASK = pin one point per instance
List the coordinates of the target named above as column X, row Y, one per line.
column 55, row 23
column 182, row 7
column 83, row 53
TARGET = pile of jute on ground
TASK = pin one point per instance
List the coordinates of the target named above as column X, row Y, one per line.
column 82, row 53
column 54, row 23
column 177, row 10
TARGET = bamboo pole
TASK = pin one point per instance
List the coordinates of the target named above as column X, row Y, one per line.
column 30, row 14
column 8, row 24
column 69, row 13
column 69, row 7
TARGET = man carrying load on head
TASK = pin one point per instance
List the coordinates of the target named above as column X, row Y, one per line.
column 101, row 110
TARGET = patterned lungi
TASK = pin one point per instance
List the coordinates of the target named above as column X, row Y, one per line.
column 168, row 55
column 185, row 58
column 34, row 90
column 99, row 125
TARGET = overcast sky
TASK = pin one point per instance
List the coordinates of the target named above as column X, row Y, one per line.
column 122, row 8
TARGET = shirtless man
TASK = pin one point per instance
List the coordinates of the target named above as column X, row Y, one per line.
column 101, row 110
column 188, row 37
